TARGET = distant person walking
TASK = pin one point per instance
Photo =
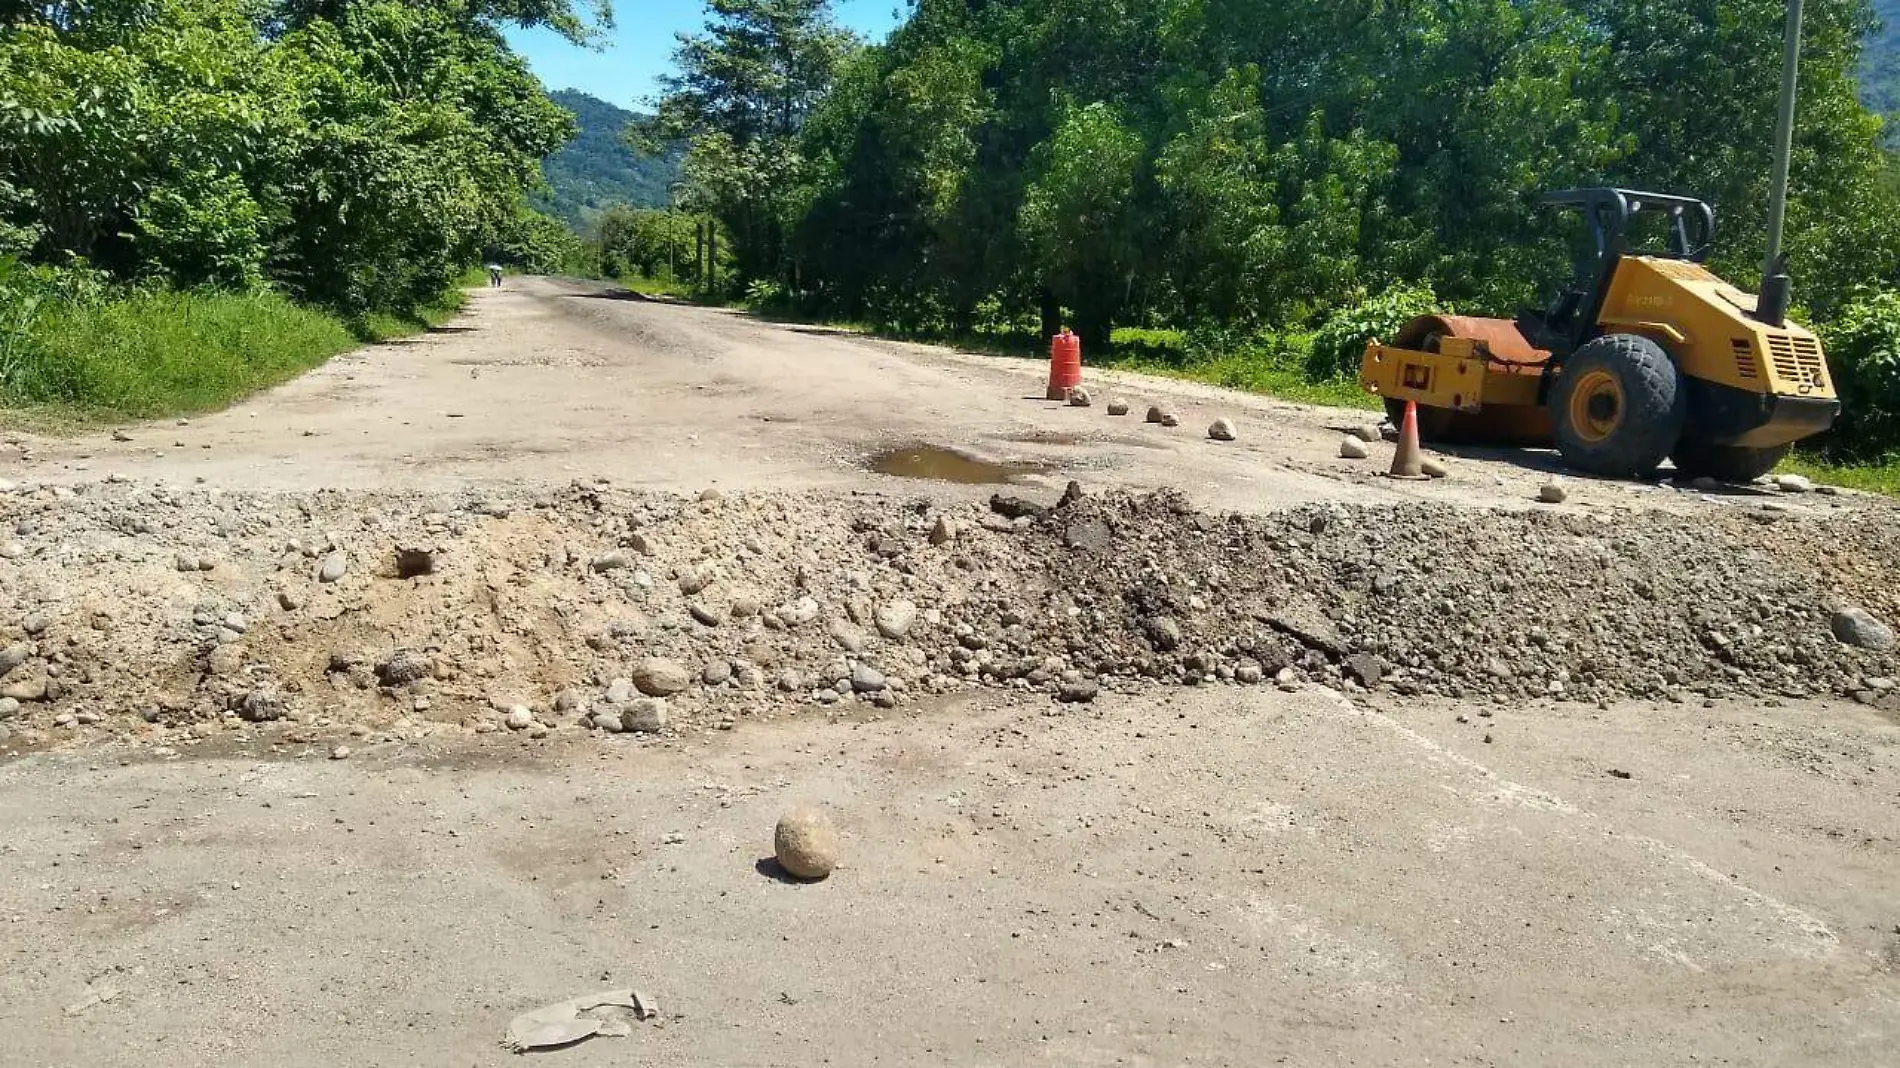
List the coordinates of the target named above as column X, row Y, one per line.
column 494, row 275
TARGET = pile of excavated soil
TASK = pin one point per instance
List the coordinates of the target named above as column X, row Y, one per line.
column 158, row 614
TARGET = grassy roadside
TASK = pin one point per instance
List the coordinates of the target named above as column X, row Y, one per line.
column 664, row 287
column 1250, row 374
column 1872, row 478
column 158, row 354
column 379, row 327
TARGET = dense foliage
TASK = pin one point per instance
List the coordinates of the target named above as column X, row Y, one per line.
column 1237, row 165
column 596, row 170
column 196, row 196
column 356, row 154
column 1864, row 342
column 739, row 100
column 662, row 245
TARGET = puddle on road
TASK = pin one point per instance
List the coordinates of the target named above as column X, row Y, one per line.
column 948, row 465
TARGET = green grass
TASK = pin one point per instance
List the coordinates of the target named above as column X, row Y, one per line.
column 1150, row 345
column 662, row 287
column 1873, row 477
column 1253, row 373
column 174, row 353
column 378, row 327
column 1274, row 366
column 168, row 353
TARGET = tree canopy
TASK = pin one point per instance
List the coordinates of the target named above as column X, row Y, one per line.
column 1231, row 161
column 357, row 153
column 739, row 99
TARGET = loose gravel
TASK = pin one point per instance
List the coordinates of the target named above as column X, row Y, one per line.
column 591, row 608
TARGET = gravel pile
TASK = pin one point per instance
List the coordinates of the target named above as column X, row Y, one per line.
column 1428, row 599
column 155, row 614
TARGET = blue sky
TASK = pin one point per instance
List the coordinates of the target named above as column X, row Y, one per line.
column 642, row 47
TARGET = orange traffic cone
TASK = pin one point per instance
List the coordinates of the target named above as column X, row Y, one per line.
column 1409, row 461
column 1065, row 364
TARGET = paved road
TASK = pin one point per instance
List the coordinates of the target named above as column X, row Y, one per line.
column 1220, row 878
column 551, row 380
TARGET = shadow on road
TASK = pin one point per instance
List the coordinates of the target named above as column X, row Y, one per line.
column 1549, row 462
column 771, row 869
column 619, row 294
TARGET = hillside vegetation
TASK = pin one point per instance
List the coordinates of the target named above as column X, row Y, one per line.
column 1881, row 81
column 596, row 170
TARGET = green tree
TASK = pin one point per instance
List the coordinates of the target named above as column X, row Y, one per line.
column 355, row 154
column 886, row 229
column 1864, row 349
column 1080, row 216
column 742, row 93
column 152, row 121
column 662, row 244
column 1697, row 83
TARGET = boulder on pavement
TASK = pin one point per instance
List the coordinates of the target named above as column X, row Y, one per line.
column 1793, row 483
column 806, row 844
column 646, row 715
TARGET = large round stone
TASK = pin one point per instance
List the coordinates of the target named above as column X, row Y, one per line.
column 659, row 677
column 806, row 844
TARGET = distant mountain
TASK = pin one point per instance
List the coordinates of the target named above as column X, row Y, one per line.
column 1880, row 83
column 596, row 170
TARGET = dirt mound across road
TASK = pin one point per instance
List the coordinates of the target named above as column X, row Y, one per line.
column 163, row 615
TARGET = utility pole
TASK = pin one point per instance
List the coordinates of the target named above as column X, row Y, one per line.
column 1772, row 304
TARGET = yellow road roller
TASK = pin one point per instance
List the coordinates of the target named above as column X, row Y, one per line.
column 1646, row 357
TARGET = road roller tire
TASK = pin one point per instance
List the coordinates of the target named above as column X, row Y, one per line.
column 1726, row 463
column 1434, row 424
column 1618, row 407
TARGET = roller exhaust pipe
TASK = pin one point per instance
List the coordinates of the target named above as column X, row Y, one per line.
column 1771, row 302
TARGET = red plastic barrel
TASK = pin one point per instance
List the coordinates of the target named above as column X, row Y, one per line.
column 1065, row 365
